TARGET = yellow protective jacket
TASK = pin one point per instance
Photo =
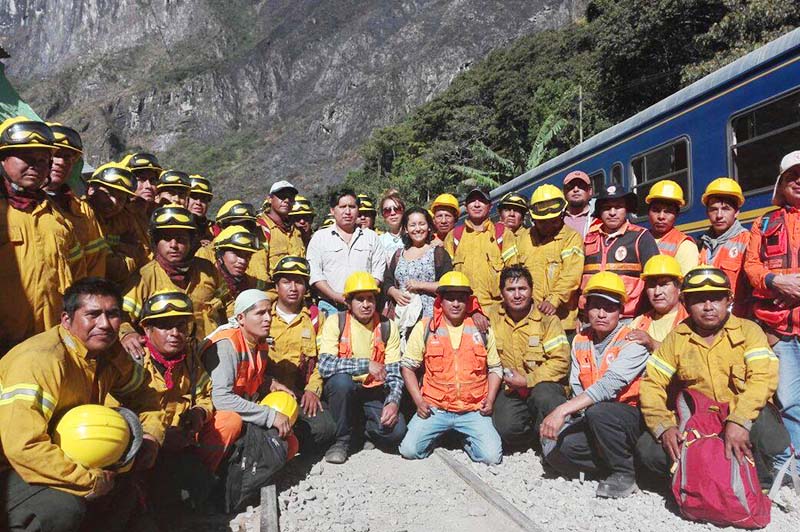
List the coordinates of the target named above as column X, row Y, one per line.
column 294, row 352
column 536, row 346
column 204, row 281
column 88, row 232
column 43, row 378
column 277, row 243
column 125, row 252
column 137, row 213
column 478, row 257
column 185, row 377
column 256, row 268
column 556, row 267
column 739, row 368
column 39, row 259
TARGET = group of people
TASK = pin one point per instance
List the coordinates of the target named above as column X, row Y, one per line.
column 569, row 334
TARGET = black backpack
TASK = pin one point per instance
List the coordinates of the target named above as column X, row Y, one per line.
column 257, row 455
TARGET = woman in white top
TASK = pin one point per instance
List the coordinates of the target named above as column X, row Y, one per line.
column 392, row 208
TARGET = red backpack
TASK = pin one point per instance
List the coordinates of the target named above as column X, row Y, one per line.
column 707, row 486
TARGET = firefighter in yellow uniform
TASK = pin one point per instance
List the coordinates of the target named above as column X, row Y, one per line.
column 512, row 209
column 302, row 216
column 78, row 362
column 75, row 209
column 145, row 169
column 39, row 254
column 280, row 237
column 665, row 201
column 535, row 354
column 234, row 248
column 475, row 247
column 553, row 253
column 200, row 197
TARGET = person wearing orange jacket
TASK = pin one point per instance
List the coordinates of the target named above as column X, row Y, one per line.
column 725, row 243
column 772, row 264
column 665, row 201
column 605, row 374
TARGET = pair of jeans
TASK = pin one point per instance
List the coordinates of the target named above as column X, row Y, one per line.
column 517, row 420
column 344, row 396
column 788, row 352
column 482, row 443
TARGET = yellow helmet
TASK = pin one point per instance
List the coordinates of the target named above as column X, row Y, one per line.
column 360, row 282
column 235, row 211
column 291, row 265
column 172, row 216
column 301, row 206
column 366, row 204
column 661, row 266
column 174, row 179
column 328, row 221
column 166, row 304
column 201, row 185
column 666, row 190
column 454, row 281
column 22, row 132
column 284, row 403
column 141, row 161
column 116, row 176
column 66, row 137
column 93, row 436
column 608, row 285
column 724, row 186
column 513, row 200
column 445, row 200
column 705, row 278
column 236, row 237
column 547, row 202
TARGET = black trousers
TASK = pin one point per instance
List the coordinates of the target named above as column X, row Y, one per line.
column 767, row 435
column 602, row 441
column 37, row 508
column 344, row 397
column 316, row 433
column 517, row 420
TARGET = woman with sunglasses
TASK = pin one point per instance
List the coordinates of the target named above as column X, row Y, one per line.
column 392, row 208
column 417, row 267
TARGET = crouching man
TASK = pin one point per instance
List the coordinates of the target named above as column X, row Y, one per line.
column 359, row 361
column 462, row 377
column 605, row 374
column 725, row 358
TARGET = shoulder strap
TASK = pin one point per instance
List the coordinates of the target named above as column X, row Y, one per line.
column 313, row 312
column 458, row 232
column 773, row 217
column 499, row 229
column 426, row 323
column 386, row 330
column 395, row 259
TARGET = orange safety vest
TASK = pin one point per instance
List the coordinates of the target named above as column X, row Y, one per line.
column 250, row 370
column 456, row 381
column 730, row 259
column 619, row 255
column 669, row 243
column 378, row 343
column 589, row 372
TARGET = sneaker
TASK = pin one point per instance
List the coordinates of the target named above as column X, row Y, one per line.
column 617, row 486
column 337, row 454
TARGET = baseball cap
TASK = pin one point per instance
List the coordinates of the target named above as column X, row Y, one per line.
column 281, row 185
column 604, row 295
column 577, row 174
column 789, row 160
column 481, row 191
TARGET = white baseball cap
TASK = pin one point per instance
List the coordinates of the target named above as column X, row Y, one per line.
column 281, row 185
column 789, row 160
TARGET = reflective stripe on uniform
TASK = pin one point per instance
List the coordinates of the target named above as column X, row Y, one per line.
column 75, row 253
column 131, row 307
column 32, row 393
column 568, row 252
column 561, row 339
column 510, row 252
column 136, row 381
column 95, row 246
column 661, row 366
column 758, row 353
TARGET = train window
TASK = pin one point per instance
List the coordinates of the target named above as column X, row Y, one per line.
column 597, row 179
column 616, row 174
column 760, row 137
column 670, row 161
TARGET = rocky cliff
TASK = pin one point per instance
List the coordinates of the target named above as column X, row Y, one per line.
column 249, row 91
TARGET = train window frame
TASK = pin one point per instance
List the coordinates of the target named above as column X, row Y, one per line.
column 618, row 164
column 730, row 132
column 602, row 173
column 687, row 194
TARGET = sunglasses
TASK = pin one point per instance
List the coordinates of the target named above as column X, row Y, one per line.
column 706, row 277
column 577, row 183
column 392, row 210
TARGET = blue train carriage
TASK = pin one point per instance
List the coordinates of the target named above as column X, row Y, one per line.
column 738, row 122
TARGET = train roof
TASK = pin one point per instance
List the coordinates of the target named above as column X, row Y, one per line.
column 771, row 51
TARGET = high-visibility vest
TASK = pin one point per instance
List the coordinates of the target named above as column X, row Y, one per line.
column 589, row 372
column 456, row 381
column 250, row 368
column 669, row 243
column 380, row 335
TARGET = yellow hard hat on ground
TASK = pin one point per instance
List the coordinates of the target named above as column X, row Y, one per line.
column 166, row 304
column 284, row 403
column 174, row 179
column 290, row 265
column 724, row 186
column 301, row 206
column 94, row 436
column 234, row 211
column 666, row 190
column 201, row 185
column 513, row 200
column 21, row 132
column 705, row 278
column 608, row 285
column 547, row 202
column 116, row 176
column 172, row 217
column 236, row 237
column 66, row 137
column 141, row 161
column 660, row 266
column 360, row 282
column 445, row 200
column 454, row 281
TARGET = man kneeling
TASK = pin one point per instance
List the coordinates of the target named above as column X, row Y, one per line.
column 462, row 377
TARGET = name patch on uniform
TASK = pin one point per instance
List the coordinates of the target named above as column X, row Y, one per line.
column 533, row 341
column 621, row 253
column 306, row 333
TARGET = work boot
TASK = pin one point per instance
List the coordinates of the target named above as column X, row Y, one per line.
column 617, row 486
column 337, row 453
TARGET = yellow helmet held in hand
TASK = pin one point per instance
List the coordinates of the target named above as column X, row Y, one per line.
column 445, row 200
column 666, row 190
column 284, row 403
column 608, row 285
column 166, row 304
column 547, row 202
column 662, row 266
column 236, row 237
column 454, row 281
column 21, row 132
column 724, row 186
column 360, row 282
column 93, row 436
